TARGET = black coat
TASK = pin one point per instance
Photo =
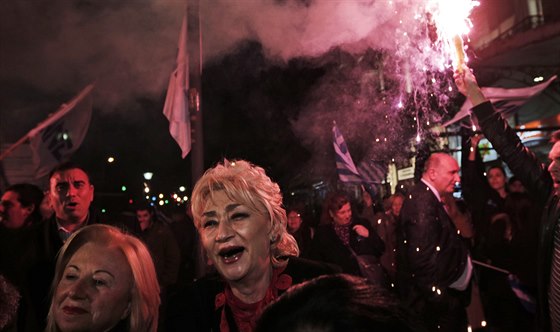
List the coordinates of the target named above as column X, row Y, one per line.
column 431, row 257
column 28, row 259
column 327, row 247
column 193, row 309
column 536, row 178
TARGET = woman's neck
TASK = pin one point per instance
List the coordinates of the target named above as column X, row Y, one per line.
column 252, row 290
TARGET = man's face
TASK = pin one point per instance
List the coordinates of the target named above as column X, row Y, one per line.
column 397, row 205
column 144, row 218
column 71, row 195
column 446, row 175
column 12, row 213
column 554, row 167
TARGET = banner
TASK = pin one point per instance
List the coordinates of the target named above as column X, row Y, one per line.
column 57, row 138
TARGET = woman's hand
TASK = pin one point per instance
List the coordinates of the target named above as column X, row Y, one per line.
column 361, row 230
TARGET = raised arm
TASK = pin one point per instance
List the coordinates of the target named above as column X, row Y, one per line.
column 523, row 163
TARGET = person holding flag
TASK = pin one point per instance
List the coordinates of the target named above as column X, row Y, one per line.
column 542, row 182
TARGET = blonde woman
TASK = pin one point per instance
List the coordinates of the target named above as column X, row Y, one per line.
column 238, row 212
column 104, row 281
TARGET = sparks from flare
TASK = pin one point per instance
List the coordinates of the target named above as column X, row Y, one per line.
column 452, row 21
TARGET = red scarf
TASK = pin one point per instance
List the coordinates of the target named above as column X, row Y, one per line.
column 244, row 314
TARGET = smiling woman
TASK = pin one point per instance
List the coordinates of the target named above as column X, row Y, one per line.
column 238, row 212
column 104, row 281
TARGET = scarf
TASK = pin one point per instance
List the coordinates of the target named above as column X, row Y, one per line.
column 245, row 315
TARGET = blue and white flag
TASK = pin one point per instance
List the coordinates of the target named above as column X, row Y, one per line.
column 521, row 291
column 506, row 101
column 372, row 172
column 347, row 171
column 523, row 294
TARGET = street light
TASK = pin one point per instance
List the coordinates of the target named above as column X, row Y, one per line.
column 148, row 176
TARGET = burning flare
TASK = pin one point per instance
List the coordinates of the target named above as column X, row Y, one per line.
column 451, row 17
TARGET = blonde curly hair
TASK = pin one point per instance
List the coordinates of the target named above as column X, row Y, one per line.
column 246, row 183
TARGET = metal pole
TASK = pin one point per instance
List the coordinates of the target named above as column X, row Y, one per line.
column 194, row 47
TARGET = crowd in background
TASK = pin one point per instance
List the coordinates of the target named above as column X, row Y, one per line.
column 239, row 260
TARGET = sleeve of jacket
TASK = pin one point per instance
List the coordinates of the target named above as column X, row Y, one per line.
column 473, row 182
column 372, row 245
column 435, row 257
column 522, row 162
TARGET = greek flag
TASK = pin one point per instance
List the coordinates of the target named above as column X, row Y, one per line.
column 372, row 172
column 506, row 101
column 523, row 293
column 347, row 171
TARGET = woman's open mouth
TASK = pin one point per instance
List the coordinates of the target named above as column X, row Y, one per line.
column 232, row 254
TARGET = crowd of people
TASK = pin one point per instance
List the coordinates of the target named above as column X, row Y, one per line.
column 408, row 267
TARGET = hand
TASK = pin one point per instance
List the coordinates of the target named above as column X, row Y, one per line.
column 361, row 230
column 475, row 140
column 467, row 85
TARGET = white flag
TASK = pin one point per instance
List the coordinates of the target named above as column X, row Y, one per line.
column 506, row 101
column 55, row 140
column 176, row 108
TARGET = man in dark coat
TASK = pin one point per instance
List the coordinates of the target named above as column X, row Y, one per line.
column 541, row 182
column 434, row 266
column 29, row 256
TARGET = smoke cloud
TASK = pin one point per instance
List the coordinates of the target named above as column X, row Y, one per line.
column 129, row 47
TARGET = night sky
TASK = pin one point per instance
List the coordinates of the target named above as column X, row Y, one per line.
column 276, row 75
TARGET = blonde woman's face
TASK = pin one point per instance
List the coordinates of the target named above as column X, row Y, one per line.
column 236, row 238
column 94, row 292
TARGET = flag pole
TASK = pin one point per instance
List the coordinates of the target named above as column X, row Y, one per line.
column 491, row 267
column 195, row 86
column 62, row 110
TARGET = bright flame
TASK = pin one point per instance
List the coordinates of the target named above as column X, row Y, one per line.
column 452, row 21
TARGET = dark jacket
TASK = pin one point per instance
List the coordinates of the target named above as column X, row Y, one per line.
column 536, row 178
column 304, row 237
column 164, row 250
column 431, row 257
column 195, row 309
column 30, row 265
column 327, row 247
column 483, row 201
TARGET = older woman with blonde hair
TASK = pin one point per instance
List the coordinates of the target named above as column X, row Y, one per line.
column 105, row 280
column 238, row 212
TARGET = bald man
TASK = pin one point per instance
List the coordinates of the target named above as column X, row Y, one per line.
column 434, row 266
